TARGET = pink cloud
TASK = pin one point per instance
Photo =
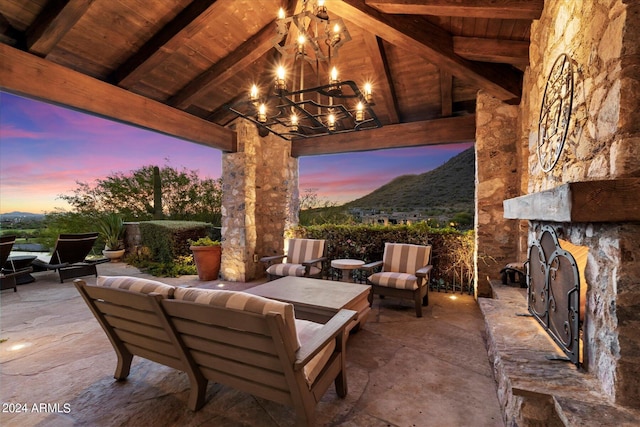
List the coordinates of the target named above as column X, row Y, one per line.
column 9, row 131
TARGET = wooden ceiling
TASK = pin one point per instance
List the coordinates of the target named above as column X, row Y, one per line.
column 172, row 65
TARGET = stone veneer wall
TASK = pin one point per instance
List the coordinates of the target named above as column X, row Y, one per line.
column 260, row 196
column 603, row 39
column 496, row 179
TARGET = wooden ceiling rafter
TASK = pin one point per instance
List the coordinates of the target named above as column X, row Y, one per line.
column 446, row 93
column 421, row 37
column 511, row 9
column 11, row 35
column 383, row 85
column 513, row 52
column 218, row 73
column 51, row 25
column 170, row 38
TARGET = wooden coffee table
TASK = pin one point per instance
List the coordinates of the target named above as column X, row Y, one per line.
column 318, row 300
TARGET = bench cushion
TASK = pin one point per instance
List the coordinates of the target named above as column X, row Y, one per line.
column 242, row 301
column 306, row 331
column 136, row 284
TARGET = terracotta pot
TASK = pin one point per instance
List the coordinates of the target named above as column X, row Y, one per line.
column 207, row 259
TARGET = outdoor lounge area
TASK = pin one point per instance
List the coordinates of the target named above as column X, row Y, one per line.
column 401, row 370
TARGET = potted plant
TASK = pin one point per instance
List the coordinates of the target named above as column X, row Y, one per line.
column 207, row 254
column 111, row 230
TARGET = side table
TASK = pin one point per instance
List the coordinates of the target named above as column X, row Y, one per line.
column 346, row 266
column 20, row 262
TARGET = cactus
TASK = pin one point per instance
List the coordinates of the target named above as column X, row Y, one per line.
column 157, row 194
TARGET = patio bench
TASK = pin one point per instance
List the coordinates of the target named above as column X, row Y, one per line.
column 243, row 341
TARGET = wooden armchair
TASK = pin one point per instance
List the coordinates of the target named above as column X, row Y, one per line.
column 305, row 258
column 405, row 273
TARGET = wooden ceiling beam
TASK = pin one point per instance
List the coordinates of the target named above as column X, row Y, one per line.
column 429, row 132
column 218, row 73
column 51, row 25
column 169, row 39
column 10, row 35
column 500, row 9
column 418, row 36
column 492, row 50
column 26, row 74
column 446, row 93
column 383, row 87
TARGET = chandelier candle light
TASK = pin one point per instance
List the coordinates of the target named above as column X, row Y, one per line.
column 312, row 39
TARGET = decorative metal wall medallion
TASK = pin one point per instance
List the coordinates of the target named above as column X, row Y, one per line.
column 555, row 112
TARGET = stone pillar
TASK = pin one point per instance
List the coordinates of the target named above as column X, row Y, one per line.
column 496, row 179
column 259, row 201
column 239, row 206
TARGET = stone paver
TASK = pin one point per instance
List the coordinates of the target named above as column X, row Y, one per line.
column 57, row 366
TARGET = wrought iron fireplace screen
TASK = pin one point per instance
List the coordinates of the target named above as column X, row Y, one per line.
column 554, row 291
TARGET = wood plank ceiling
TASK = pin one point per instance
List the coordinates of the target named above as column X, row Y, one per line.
column 172, row 65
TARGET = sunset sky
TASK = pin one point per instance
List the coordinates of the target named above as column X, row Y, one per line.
column 45, row 149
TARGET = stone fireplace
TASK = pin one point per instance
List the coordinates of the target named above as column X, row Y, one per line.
column 590, row 195
column 603, row 216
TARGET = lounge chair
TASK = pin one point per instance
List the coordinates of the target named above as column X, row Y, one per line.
column 305, row 258
column 405, row 273
column 8, row 277
column 69, row 257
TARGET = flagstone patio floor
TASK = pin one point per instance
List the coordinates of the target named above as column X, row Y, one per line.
column 57, row 368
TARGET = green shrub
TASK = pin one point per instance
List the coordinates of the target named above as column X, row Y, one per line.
column 451, row 248
column 168, row 240
column 204, row 241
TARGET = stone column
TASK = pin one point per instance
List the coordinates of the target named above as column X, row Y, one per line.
column 496, row 179
column 260, row 196
column 239, row 206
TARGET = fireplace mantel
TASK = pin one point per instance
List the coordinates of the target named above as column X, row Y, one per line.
column 616, row 200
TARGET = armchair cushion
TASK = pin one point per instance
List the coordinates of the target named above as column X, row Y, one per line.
column 405, row 258
column 242, row 301
column 301, row 250
column 394, row 280
column 306, row 332
column 292, row 270
column 304, row 258
column 136, row 284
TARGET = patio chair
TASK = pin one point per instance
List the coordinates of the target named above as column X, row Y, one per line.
column 405, row 273
column 305, row 258
column 69, row 256
column 8, row 276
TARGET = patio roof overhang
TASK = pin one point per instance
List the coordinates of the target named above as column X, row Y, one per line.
column 172, row 70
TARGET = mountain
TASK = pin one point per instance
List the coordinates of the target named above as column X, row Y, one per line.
column 450, row 186
column 24, row 215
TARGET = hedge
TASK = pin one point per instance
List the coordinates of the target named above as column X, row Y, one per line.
column 168, row 240
column 451, row 256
